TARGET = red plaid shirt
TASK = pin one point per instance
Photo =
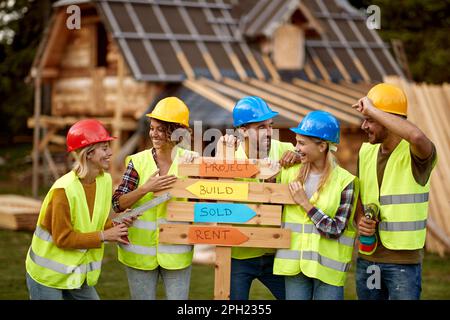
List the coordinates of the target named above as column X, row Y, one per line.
column 333, row 227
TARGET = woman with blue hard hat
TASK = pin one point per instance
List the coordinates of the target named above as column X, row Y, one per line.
column 323, row 233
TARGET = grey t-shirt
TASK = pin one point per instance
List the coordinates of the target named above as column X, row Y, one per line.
column 311, row 183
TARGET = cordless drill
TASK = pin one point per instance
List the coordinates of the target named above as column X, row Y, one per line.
column 368, row 244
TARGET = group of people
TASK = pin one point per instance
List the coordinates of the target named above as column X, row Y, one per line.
column 394, row 168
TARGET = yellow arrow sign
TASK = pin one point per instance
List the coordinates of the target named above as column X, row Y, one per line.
column 219, row 190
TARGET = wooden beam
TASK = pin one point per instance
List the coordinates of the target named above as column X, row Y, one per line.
column 341, row 89
column 265, row 214
column 212, row 66
column 56, row 41
column 222, row 274
column 318, row 97
column 272, row 70
column 36, row 132
column 309, row 72
column 47, row 138
column 274, row 193
column 51, row 164
column 338, row 112
column 323, row 71
column 118, row 112
column 238, row 94
column 257, row 237
column 321, row 90
column 210, row 94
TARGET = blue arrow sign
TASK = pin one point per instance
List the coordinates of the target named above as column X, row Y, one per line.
column 222, row 212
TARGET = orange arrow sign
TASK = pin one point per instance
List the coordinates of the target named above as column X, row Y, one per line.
column 228, row 169
column 216, row 235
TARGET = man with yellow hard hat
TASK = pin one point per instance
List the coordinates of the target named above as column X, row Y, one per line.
column 394, row 169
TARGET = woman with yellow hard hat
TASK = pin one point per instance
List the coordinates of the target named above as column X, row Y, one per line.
column 147, row 172
column 64, row 260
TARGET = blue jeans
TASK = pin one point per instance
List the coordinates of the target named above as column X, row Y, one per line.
column 382, row 281
column 38, row 291
column 244, row 271
column 301, row 287
column 143, row 283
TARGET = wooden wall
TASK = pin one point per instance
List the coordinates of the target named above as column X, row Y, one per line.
column 85, row 85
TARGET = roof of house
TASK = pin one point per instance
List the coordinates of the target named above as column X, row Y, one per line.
column 346, row 48
column 213, row 39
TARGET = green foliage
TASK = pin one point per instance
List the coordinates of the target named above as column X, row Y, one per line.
column 16, row 57
column 423, row 27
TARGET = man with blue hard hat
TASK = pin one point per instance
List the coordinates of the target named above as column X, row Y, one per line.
column 253, row 119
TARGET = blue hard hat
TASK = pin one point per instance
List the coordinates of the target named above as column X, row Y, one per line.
column 251, row 109
column 319, row 124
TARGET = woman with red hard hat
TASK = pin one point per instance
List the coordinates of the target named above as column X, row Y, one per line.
column 65, row 256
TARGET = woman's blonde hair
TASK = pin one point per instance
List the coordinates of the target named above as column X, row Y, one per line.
column 331, row 162
column 80, row 166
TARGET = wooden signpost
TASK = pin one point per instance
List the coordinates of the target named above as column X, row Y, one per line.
column 257, row 204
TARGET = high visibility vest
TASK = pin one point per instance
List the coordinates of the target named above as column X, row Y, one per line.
column 403, row 203
column 277, row 149
column 144, row 251
column 70, row 268
column 310, row 253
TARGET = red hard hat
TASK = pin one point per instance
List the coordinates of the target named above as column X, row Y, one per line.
column 86, row 132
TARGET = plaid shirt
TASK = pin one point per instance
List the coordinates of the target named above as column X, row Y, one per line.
column 130, row 181
column 333, row 227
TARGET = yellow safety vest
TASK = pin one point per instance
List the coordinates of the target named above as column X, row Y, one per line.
column 69, row 268
column 277, row 149
column 402, row 201
column 310, row 253
column 144, row 251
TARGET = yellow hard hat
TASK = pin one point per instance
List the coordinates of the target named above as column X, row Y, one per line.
column 388, row 98
column 171, row 109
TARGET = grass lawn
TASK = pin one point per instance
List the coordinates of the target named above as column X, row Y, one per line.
column 15, row 178
column 113, row 284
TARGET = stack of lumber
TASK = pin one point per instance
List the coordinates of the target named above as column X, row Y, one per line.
column 428, row 108
column 18, row 212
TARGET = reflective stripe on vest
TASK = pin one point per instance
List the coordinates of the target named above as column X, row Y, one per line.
column 403, row 226
column 313, row 256
column 404, row 198
column 145, row 225
column 46, row 236
column 62, row 268
column 151, row 251
column 310, row 228
column 133, row 248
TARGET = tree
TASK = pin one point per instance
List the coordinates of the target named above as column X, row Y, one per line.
column 23, row 26
column 423, row 27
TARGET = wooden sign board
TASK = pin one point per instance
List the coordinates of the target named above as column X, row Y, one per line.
column 216, row 190
column 257, row 192
column 223, row 236
column 226, row 168
column 266, row 214
column 257, row 237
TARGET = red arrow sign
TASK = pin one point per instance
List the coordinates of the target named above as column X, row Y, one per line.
column 228, row 169
column 216, row 235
